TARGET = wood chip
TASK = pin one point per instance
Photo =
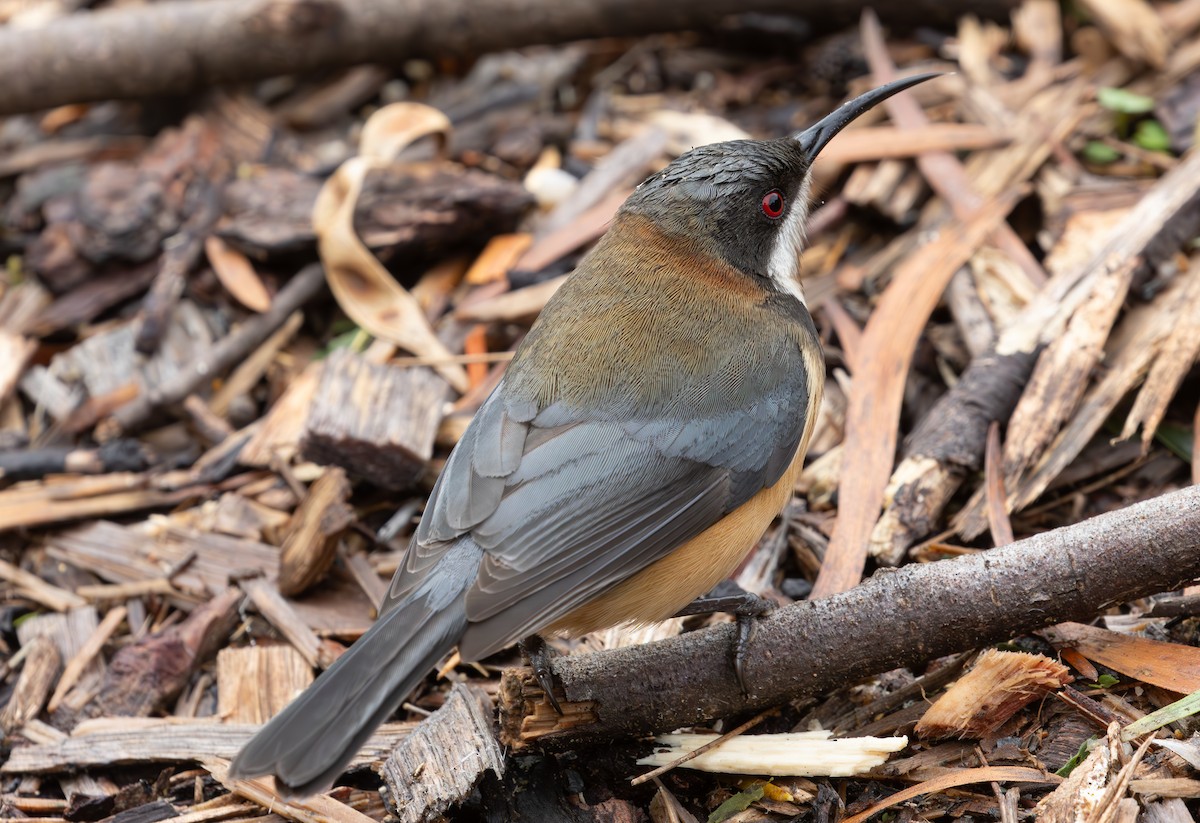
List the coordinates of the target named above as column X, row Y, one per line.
column 315, row 809
column 282, row 616
column 87, row 653
column 788, row 754
column 312, row 536
column 1094, row 787
column 123, row 554
column 998, row 686
column 255, row 682
column 246, row 376
column 38, row 675
column 38, row 590
column 445, row 756
column 106, row 742
column 70, row 633
column 277, row 436
column 1167, row 787
column 376, row 421
column 144, row 677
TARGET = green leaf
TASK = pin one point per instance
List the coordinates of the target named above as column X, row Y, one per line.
column 1104, row 681
column 23, row 618
column 1150, row 135
column 1171, row 713
column 15, row 266
column 355, row 339
column 738, row 803
column 1126, row 102
column 1076, row 759
column 1178, row 439
column 1100, row 154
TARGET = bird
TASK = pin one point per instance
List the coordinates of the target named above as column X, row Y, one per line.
column 648, row 429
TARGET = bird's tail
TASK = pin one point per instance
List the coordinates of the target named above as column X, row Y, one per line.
column 308, row 744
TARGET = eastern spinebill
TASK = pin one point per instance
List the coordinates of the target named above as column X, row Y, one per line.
column 647, row 431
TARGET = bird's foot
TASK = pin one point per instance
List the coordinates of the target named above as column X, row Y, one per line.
column 731, row 598
column 538, row 655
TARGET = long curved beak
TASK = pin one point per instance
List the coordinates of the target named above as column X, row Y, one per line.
column 818, row 135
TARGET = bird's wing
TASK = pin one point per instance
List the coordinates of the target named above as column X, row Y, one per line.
column 565, row 505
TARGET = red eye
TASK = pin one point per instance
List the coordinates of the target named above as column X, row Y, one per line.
column 772, row 204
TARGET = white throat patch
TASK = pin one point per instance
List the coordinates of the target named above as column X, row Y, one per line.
column 783, row 267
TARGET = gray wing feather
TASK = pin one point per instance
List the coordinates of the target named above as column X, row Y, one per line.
column 566, row 504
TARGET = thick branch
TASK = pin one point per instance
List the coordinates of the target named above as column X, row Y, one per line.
column 171, row 48
column 900, row 618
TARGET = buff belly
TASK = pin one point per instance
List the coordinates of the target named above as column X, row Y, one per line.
column 660, row 590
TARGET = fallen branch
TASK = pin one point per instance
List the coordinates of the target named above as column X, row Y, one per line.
column 901, row 618
column 172, row 48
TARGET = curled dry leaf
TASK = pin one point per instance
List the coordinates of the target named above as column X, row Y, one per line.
column 360, row 283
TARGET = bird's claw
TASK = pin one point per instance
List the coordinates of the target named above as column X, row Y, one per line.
column 728, row 597
column 537, row 653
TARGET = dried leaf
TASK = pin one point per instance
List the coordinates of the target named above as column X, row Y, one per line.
column 363, row 287
column 237, row 274
column 1167, row 665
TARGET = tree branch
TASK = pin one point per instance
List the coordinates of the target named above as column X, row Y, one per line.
column 897, row 618
column 173, row 48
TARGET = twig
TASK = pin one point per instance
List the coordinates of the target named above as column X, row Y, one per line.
column 304, row 286
column 654, row 774
column 77, row 664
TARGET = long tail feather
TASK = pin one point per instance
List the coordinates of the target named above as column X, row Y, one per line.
column 308, row 744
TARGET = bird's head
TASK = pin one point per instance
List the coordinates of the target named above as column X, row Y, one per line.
column 746, row 201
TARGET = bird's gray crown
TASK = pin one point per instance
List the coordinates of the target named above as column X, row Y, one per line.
column 714, row 195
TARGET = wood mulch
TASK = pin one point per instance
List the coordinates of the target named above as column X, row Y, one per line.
column 240, row 332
